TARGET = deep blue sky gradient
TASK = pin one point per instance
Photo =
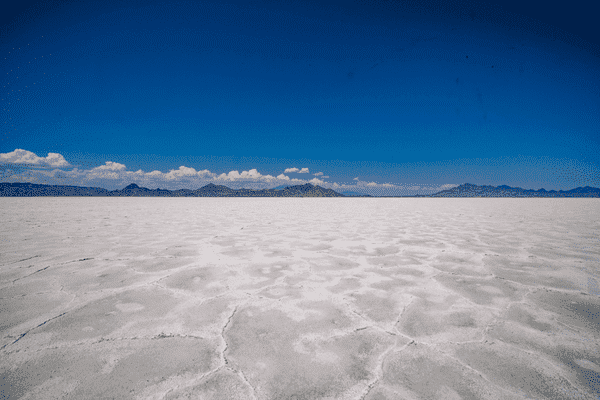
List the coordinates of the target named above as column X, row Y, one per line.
column 387, row 91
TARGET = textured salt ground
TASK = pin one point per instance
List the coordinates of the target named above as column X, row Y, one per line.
column 299, row 298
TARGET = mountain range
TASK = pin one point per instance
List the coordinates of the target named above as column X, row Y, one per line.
column 133, row 190
column 470, row 190
column 306, row 190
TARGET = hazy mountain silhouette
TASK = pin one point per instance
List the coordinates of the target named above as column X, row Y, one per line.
column 306, row 190
column 470, row 190
column 133, row 190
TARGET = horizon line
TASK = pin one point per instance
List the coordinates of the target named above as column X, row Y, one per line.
column 134, row 185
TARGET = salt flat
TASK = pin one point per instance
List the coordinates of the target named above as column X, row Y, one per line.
column 299, row 298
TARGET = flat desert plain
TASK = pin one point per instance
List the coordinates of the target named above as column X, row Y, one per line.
column 299, row 298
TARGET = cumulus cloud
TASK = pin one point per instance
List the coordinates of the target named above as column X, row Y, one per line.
column 300, row 171
column 252, row 175
column 110, row 166
column 355, row 179
column 110, row 170
column 20, row 156
column 113, row 175
column 182, row 172
column 378, row 185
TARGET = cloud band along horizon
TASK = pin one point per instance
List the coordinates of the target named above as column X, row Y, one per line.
column 20, row 166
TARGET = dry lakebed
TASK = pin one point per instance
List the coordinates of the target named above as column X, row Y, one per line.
column 299, row 298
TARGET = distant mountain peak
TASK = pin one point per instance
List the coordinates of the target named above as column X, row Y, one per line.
column 131, row 186
column 306, row 185
column 470, row 190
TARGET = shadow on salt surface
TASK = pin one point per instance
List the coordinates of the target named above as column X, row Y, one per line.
column 422, row 372
column 460, row 263
column 259, row 275
column 270, row 252
column 330, row 263
column 285, row 358
column 510, row 367
column 16, row 312
column 483, row 291
column 109, row 369
column 383, row 251
column 346, row 285
column 101, row 318
column 576, row 309
column 30, row 286
column 382, row 309
column 534, row 272
column 318, row 247
column 452, row 319
column 282, row 292
column 243, row 252
column 395, row 261
column 98, row 275
column 146, row 264
column 202, row 281
column 539, row 332
column 222, row 385
column 178, row 252
column 593, row 287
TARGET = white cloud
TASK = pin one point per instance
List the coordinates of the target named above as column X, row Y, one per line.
column 448, row 186
column 182, row 172
column 110, row 170
column 110, row 166
column 205, row 173
column 355, row 179
column 378, row 185
column 231, row 176
column 113, row 175
column 300, row 171
column 20, row 156
column 382, row 189
column 252, row 176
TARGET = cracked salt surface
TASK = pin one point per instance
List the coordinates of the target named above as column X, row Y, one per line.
column 312, row 299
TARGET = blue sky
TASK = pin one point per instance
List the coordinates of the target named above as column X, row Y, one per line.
column 379, row 97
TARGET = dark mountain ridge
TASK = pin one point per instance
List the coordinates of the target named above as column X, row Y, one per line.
column 306, row 190
column 470, row 190
column 133, row 190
